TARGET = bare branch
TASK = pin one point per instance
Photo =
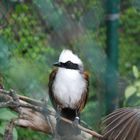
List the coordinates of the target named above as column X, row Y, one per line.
column 33, row 113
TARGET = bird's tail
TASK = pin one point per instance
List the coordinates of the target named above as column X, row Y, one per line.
column 122, row 124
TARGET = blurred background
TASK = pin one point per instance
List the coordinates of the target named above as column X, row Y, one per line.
column 105, row 34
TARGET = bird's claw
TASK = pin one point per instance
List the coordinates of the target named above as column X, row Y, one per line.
column 75, row 123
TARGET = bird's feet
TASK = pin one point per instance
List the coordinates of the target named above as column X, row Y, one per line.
column 75, row 124
column 76, row 121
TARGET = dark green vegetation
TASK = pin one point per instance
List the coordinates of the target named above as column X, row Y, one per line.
column 33, row 34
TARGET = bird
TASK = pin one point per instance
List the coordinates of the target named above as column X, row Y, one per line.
column 122, row 124
column 68, row 85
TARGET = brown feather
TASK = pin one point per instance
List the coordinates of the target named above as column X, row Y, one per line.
column 82, row 102
column 53, row 99
column 122, row 124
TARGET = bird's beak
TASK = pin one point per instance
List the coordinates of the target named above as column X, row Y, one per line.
column 57, row 64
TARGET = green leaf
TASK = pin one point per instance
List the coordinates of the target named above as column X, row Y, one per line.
column 2, row 128
column 6, row 114
column 138, row 94
column 15, row 135
column 135, row 72
column 130, row 90
column 137, row 83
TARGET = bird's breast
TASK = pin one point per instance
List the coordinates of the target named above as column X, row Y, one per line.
column 68, row 87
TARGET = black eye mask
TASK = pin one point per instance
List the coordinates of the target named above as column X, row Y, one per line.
column 67, row 65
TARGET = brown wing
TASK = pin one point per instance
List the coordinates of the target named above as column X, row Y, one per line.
column 53, row 99
column 81, row 104
column 122, row 124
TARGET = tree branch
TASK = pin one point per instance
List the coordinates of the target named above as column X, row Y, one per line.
column 35, row 114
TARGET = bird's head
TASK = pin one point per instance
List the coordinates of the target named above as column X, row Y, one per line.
column 69, row 60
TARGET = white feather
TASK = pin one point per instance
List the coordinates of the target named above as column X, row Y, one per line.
column 69, row 84
column 67, row 55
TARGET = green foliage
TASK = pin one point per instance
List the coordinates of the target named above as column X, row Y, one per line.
column 25, row 31
column 7, row 115
column 28, row 134
column 30, row 51
column 92, row 113
column 136, row 4
column 4, row 55
column 132, row 92
column 25, row 58
column 129, row 40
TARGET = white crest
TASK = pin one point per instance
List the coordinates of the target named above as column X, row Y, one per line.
column 68, row 55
